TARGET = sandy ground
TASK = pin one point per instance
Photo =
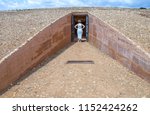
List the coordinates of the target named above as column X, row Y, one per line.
column 104, row 78
column 18, row 26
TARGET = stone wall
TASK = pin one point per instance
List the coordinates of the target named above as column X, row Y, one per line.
column 57, row 35
column 43, row 44
column 119, row 47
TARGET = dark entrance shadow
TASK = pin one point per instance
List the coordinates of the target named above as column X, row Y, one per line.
column 80, row 62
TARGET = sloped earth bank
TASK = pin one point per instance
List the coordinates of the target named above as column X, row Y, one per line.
column 57, row 78
column 17, row 26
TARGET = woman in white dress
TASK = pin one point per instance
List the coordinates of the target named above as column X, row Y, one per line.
column 79, row 28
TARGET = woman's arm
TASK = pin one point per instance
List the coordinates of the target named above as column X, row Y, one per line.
column 76, row 26
column 83, row 26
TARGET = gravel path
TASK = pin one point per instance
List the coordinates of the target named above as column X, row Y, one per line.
column 17, row 26
column 104, row 78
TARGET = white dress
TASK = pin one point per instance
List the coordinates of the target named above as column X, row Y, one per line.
column 79, row 31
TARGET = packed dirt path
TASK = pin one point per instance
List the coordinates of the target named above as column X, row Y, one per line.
column 57, row 78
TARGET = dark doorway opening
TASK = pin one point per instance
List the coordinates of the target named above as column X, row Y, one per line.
column 85, row 21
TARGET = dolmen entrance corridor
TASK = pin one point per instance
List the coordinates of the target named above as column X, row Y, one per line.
column 104, row 77
column 107, row 62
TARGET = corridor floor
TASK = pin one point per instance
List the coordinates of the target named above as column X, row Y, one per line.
column 104, row 77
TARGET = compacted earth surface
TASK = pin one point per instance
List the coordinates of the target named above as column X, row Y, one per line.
column 90, row 73
column 104, row 77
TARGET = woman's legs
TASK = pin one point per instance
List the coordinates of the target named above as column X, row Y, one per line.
column 79, row 34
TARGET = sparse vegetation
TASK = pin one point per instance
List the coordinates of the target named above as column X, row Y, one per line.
column 142, row 8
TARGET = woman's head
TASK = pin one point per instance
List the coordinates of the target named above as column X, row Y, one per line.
column 79, row 20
